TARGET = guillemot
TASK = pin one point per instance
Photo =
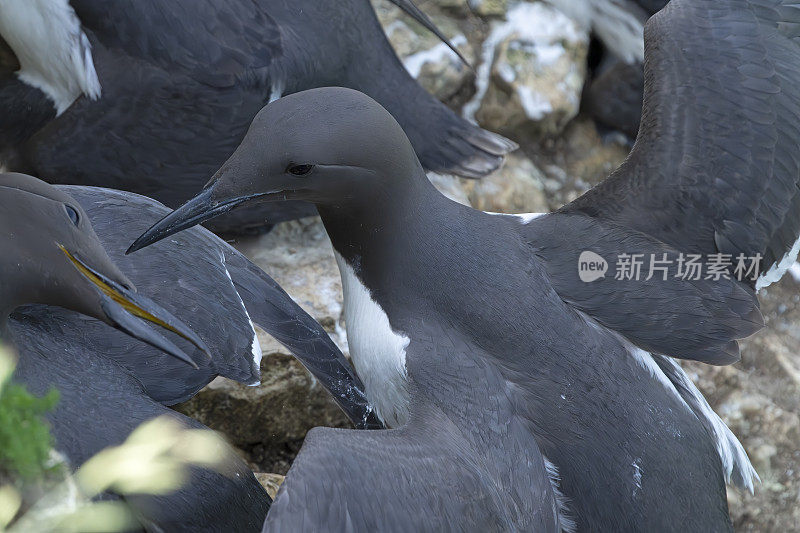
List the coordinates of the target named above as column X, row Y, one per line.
column 221, row 294
column 101, row 403
column 612, row 95
column 51, row 255
column 52, row 258
column 171, row 86
column 487, row 322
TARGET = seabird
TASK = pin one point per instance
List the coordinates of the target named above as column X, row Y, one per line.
column 221, row 294
column 613, row 93
column 101, row 403
column 485, row 324
column 52, row 257
column 169, row 87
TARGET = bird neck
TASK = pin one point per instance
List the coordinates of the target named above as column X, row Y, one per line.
column 385, row 216
column 16, row 289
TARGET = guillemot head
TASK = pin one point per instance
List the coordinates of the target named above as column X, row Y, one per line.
column 330, row 146
column 51, row 255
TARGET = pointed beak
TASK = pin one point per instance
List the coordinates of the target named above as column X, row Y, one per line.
column 196, row 211
column 124, row 308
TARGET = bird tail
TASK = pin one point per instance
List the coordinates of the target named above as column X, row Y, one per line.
column 443, row 141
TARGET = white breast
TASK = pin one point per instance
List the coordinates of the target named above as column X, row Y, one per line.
column 378, row 352
column 53, row 52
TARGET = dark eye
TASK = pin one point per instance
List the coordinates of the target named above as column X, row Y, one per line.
column 73, row 215
column 299, row 170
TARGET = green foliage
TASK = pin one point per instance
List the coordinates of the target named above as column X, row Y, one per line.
column 25, row 439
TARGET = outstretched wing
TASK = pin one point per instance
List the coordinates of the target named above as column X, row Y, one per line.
column 715, row 170
column 716, row 165
column 418, row 478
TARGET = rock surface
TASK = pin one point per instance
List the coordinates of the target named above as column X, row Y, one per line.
column 437, row 68
column 759, row 399
column 561, row 156
column 271, row 482
column 518, row 187
column 531, row 73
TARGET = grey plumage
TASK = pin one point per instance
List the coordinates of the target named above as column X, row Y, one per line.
column 501, row 335
column 696, row 179
column 109, row 382
column 181, row 80
column 101, row 403
column 204, row 279
column 613, row 96
column 613, row 93
column 426, row 476
column 51, row 261
column 696, row 319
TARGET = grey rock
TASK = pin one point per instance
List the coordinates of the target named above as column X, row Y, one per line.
column 759, row 399
column 451, row 186
column 437, row 68
column 282, row 409
column 518, row 187
column 531, row 73
column 271, row 482
column 488, row 8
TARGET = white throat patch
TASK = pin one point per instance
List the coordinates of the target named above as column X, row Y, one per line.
column 53, row 51
column 378, row 352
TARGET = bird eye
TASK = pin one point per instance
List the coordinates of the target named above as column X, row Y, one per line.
column 299, row 170
column 73, row 215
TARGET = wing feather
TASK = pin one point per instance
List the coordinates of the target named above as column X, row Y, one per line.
column 716, row 165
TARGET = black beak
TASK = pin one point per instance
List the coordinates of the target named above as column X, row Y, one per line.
column 122, row 306
column 196, row 211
